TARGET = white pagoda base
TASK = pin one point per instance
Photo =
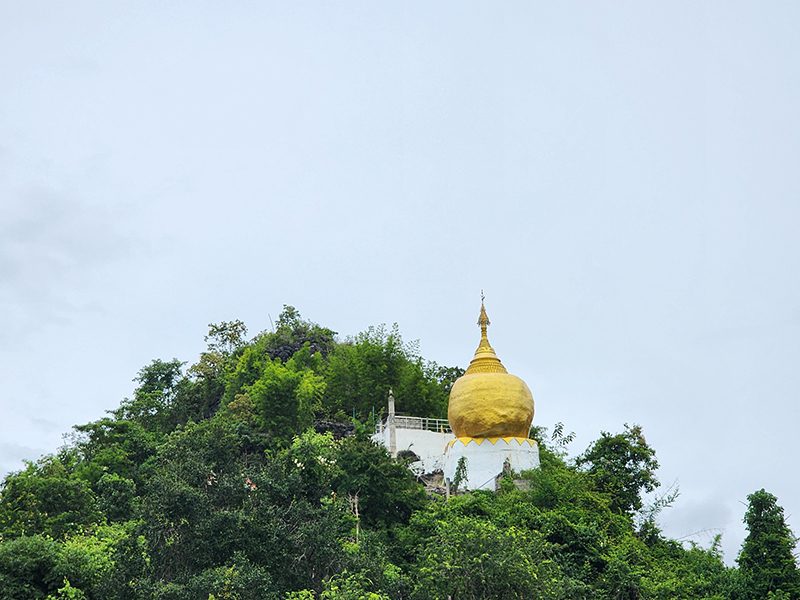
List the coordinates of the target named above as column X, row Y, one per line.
column 486, row 457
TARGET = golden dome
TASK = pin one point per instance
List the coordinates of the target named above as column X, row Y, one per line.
column 487, row 401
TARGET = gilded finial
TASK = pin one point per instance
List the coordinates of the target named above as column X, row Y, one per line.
column 485, row 359
column 483, row 318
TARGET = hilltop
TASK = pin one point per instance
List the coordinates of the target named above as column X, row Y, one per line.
column 250, row 474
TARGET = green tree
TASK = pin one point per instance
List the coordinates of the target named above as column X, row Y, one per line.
column 766, row 560
column 292, row 332
column 112, row 445
column 45, row 499
column 361, row 371
column 213, row 495
column 387, row 491
column 350, row 586
column 117, row 497
column 88, row 560
column 622, row 466
column 675, row 572
column 241, row 579
column 225, row 341
column 155, row 399
column 472, row 559
column 285, row 399
column 245, row 372
column 28, row 567
column 279, row 398
column 226, row 337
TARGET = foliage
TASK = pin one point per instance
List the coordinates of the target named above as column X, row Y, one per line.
column 472, row 558
column 210, row 482
column 155, row 400
column 766, row 561
column 361, row 371
column 350, row 586
column 112, row 445
column 293, row 333
column 28, row 566
column 459, row 475
column 623, row 466
column 388, row 492
column 45, row 499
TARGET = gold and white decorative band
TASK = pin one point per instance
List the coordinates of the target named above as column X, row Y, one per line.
column 465, row 441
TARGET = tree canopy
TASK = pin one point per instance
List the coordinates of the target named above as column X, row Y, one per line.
column 215, row 480
column 766, row 562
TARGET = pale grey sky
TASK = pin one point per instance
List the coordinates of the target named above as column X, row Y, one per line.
column 621, row 178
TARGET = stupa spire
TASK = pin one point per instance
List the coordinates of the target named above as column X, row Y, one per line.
column 485, row 359
column 483, row 318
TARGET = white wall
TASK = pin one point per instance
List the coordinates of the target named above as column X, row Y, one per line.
column 485, row 462
column 429, row 446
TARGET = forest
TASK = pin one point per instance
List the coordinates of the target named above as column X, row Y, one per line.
column 251, row 475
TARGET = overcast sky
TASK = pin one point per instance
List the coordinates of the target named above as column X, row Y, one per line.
column 621, row 178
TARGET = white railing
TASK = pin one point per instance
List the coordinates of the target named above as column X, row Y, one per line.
column 407, row 422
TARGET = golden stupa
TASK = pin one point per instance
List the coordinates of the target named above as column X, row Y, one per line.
column 487, row 401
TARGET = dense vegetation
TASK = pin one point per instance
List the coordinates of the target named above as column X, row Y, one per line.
column 223, row 480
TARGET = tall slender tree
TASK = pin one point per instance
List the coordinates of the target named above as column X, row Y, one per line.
column 766, row 561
